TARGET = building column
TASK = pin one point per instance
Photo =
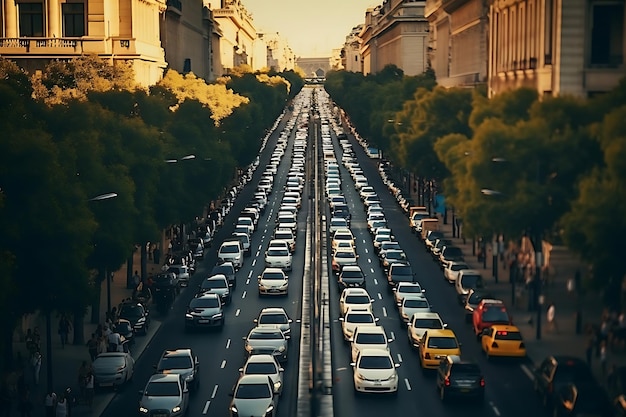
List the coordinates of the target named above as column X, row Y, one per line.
column 10, row 13
column 54, row 19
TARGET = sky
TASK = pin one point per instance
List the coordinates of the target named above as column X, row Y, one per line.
column 312, row 28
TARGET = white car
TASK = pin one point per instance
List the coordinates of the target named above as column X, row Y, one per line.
column 274, row 317
column 286, row 235
column 354, row 297
column 337, row 223
column 264, row 365
column 286, row 221
column 375, row 371
column 273, row 281
column 278, row 257
column 248, row 222
column 354, row 318
column 231, row 251
column 342, row 234
column 452, row 269
column 344, row 245
column 368, row 337
column 420, row 323
column 253, row 396
column 406, row 289
column 412, row 305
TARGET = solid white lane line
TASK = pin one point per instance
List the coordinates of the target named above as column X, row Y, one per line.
column 223, row 365
column 228, row 344
column 243, row 295
column 380, row 296
column 206, row 407
column 375, row 280
column 214, row 391
column 385, row 311
column 528, row 372
column 399, row 358
column 237, row 312
column 408, row 386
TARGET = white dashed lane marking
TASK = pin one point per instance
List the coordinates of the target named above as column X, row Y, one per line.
column 408, row 385
column 528, row 372
column 228, row 344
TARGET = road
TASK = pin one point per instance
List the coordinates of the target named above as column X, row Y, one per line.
column 509, row 390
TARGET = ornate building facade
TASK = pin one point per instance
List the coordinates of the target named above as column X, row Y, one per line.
column 351, row 51
column 239, row 35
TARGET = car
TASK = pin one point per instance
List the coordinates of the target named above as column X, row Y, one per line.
column 227, row 269
column 440, row 243
column 583, row 399
column 287, row 221
column 393, row 256
column 355, row 317
column 245, row 241
column 268, row 340
column 337, row 223
column 206, row 310
column 436, row 344
column 411, row 305
column 458, row 378
column 557, row 371
column 217, row 284
column 489, row 312
column 342, row 234
column 164, row 393
column 273, row 281
column 113, row 369
column 182, row 273
column 375, row 371
column 399, row 272
column 231, row 251
column 378, row 224
column 502, row 340
column 274, row 317
column 342, row 258
column 467, row 279
column 183, row 362
column 286, row 235
column 406, row 289
column 451, row 270
column 248, row 222
column 387, row 245
column 473, row 298
column 264, row 365
column 278, row 257
column 432, row 237
column 137, row 314
column 450, row 254
column 253, row 395
column 351, row 276
column 354, row 297
column 344, row 245
column 342, row 210
column 368, row 337
column 420, row 323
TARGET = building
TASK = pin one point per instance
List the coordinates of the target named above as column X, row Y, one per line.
column 314, row 67
column 351, row 51
column 238, row 41
column 459, row 41
column 556, row 47
column 395, row 32
column 280, row 57
column 34, row 33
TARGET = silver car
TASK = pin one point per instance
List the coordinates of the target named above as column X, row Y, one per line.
column 164, row 395
column 264, row 365
column 253, row 396
column 113, row 369
column 182, row 362
column 216, row 284
column 205, row 311
column 267, row 341
column 273, row 281
column 274, row 317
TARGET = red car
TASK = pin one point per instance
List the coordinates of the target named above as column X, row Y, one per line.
column 487, row 313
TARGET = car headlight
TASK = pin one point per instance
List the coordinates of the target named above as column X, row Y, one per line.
column 217, row 316
column 188, row 316
column 261, row 286
column 143, row 410
column 269, row 409
column 233, row 409
column 281, row 349
column 277, row 385
column 176, row 409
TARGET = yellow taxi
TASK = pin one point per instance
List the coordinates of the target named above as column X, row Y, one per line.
column 435, row 345
column 503, row 340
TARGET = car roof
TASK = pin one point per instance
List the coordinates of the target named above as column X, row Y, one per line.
column 351, row 268
column 355, row 290
column 440, row 333
column 358, row 310
column 374, row 352
column 261, row 358
column 266, row 329
column 370, row 329
column 273, row 310
column 165, row 378
column 491, row 301
column 505, row 328
column 469, row 272
column 408, row 284
column 177, row 352
column 217, row 277
column 272, row 270
column 253, row 379
column 427, row 315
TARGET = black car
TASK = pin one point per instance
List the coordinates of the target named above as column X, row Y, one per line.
column 399, row 272
column 137, row 314
column 227, row 269
column 460, row 378
column 125, row 329
column 342, row 211
column 556, row 372
column 351, row 276
column 165, row 288
column 450, row 254
column 582, row 399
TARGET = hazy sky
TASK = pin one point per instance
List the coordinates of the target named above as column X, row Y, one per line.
column 312, row 27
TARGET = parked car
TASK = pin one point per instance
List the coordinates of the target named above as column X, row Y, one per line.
column 137, row 314
column 489, row 312
column 227, row 269
column 502, row 340
column 467, row 280
column 113, row 369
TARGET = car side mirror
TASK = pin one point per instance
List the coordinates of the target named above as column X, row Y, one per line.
column 244, row 338
column 399, row 304
column 397, row 365
column 445, row 325
column 241, row 370
column 390, row 340
column 255, row 320
column 341, row 319
column 372, row 300
column 290, row 321
column 353, row 364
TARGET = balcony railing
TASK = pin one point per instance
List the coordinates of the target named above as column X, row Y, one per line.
column 65, row 46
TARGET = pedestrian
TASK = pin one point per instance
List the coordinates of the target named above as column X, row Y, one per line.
column 92, row 347
column 102, row 344
column 35, row 363
column 25, row 405
column 551, row 317
column 603, row 357
column 64, row 330
column 89, row 388
column 62, row 407
column 114, row 341
column 136, row 279
column 50, row 402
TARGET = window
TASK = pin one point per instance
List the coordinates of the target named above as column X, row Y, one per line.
column 73, row 19
column 31, row 19
column 607, row 32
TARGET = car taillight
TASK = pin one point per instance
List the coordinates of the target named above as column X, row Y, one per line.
column 446, row 382
column 494, row 345
column 427, row 355
column 482, row 382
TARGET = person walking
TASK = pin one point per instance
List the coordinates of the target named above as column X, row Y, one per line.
column 64, row 330
column 35, row 363
column 61, row 408
column 89, row 388
column 50, row 402
column 114, row 340
column 92, row 347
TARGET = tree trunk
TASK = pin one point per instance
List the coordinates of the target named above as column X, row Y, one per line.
column 144, row 260
column 79, row 327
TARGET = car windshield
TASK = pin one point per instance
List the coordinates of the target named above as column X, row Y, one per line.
column 229, row 249
column 415, row 303
column 465, row 369
column 359, row 318
column 131, row 311
column 396, row 255
column 162, row 389
column 278, row 252
column 338, row 222
column 506, row 335
column 162, row 279
column 351, row 274
column 495, row 315
column 175, row 362
column 266, row 335
column 344, row 254
column 410, row 289
column 343, row 237
column 371, row 339
column 213, row 284
column 375, row 362
column 273, row 319
column 472, row 281
column 427, row 324
column 223, row 269
column 283, row 236
column 442, row 343
column 123, row 327
column 252, row 391
column 453, row 251
column 357, row 299
column 273, row 275
column 204, row 303
column 458, row 267
column 260, row 368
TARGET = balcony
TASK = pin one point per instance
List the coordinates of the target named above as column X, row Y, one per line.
column 175, row 6
column 64, row 47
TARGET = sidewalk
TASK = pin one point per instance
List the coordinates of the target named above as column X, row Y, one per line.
column 562, row 341
column 67, row 360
